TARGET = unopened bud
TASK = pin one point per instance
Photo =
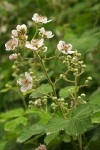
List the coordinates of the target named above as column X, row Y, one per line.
column 79, row 97
column 84, row 102
column 44, row 101
column 61, row 75
column 13, row 67
column 45, row 97
column 86, row 81
column 83, row 95
column 64, row 61
column 53, row 105
column 61, row 99
column 31, row 73
column 89, row 78
column 54, row 98
column 83, row 66
column 30, row 102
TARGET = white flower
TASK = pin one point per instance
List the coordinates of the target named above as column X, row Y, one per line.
column 11, row 44
column 35, row 44
column 65, row 48
column 13, row 56
column 40, row 19
column 25, row 83
column 45, row 34
column 20, row 32
column 22, row 27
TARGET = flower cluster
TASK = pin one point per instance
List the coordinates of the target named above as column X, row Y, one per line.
column 19, row 39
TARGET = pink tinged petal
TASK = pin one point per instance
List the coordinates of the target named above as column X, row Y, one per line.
column 29, row 86
column 28, row 45
column 40, row 42
column 8, row 47
column 23, row 88
column 15, row 33
column 70, row 52
column 13, row 56
column 21, row 27
column 49, row 34
column 28, row 77
column 35, row 17
column 60, row 45
column 11, row 44
column 18, row 27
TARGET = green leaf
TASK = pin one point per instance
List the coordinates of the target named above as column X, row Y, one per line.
column 55, row 125
column 95, row 97
column 12, row 124
column 65, row 92
column 41, row 90
column 96, row 117
column 44, row 117
column 50, row 137
column 2, row 144
column 76, row 124
column 31, row 131
column 11, row 114
column 80, row 120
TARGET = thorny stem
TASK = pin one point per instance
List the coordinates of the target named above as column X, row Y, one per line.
column 46, row 108
column 49, row 80
column 76, row 87
column 24, row 102
column 79, row 141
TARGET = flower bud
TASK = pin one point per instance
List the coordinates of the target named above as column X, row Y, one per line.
column 76, row 70
column 89, row 78
column 53, row 105
column 79, row 54
column 84, row 102
column 79, row 97
column 31, row 73
column 44, row 101
column 83, row 95
column 83, row 66
column 13, row 67
column 13, row 56
column 54, row 98
column 61, row 75
column 30, row 102
column 61, row 99
column 86, row 81
column 64, row 61
column 36, row 80
column 80, row 62
column 45, row 97
column 66, row 104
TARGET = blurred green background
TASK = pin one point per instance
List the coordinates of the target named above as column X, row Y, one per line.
column 74, row 21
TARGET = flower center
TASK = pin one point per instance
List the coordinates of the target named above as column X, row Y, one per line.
column 65, row 47
column 25, row 82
